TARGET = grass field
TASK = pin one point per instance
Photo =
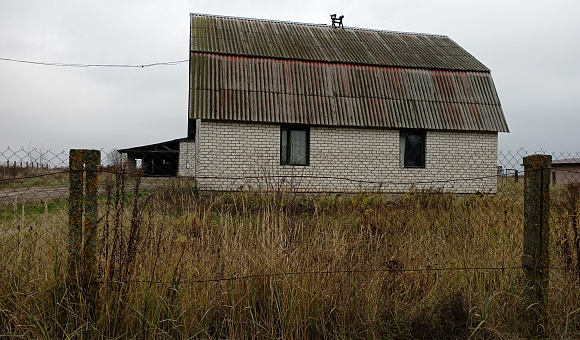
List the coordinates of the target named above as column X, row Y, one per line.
column 176, row 264
column 24, row 177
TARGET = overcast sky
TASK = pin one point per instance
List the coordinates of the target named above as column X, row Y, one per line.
column 531, row 47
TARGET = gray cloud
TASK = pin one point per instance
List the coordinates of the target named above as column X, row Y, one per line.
column 531, row 47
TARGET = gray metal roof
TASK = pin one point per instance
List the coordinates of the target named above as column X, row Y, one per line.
column 271, row 82
column 285, row 40
column 566, row 161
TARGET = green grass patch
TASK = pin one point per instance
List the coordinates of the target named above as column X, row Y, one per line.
column 31, row 211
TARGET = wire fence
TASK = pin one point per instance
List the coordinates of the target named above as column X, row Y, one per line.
column 415, row 255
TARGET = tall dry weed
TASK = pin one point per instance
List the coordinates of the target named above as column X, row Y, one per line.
column 177, row 263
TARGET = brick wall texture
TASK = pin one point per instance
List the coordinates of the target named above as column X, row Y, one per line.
column 234, row 156
column 187, row 159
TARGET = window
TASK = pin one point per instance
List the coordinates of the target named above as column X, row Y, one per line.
column 191, row 127
column 412, row 145
column 294, row 145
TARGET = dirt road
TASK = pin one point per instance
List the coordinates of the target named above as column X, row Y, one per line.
column 32, row 194
column 41, row 193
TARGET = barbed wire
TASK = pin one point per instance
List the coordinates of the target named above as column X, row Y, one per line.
column 258, row 177
column 457, row 179
column 325, row 177
column 324, row 272
column 51, row 173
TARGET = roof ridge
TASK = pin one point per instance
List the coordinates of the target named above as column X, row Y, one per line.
column 317, row 25
column 319, row 42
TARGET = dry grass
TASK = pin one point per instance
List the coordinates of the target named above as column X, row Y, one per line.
column 174, row 264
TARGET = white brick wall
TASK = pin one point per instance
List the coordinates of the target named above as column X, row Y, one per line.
column 240, row 155
column 186, row 158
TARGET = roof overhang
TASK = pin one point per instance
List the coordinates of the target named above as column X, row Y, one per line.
column 566, row 162
column 171, row 146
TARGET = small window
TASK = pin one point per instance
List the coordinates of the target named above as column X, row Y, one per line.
column 412, row 145
column 294, row 145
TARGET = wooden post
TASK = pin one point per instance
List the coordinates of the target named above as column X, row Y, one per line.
column 82, row 241
column 536, row 257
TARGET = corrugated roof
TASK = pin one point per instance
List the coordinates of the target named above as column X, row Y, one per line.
column 289, row 73
column 286, row 40
column 298, row 92
column 567, row 161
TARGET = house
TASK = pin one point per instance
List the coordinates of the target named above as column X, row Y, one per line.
column 160, row 159
column 282, row 105
column 566, row 171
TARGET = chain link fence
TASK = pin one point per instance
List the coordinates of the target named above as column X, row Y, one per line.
column 413, row 258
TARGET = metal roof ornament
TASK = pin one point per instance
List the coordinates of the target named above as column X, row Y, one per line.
column 336, row 21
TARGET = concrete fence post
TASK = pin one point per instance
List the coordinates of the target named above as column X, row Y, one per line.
column 82, row 247
column 75, row 213
column 536, row 257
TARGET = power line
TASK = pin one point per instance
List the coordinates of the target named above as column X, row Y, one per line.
column 167, row 63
